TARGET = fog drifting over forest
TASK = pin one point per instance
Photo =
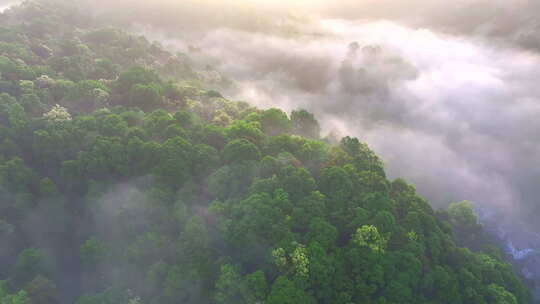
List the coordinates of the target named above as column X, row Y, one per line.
column 445, row 92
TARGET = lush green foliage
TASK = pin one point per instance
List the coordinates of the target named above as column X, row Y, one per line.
column 128, row 184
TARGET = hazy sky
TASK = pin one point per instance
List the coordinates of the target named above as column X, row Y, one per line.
column 5, row 4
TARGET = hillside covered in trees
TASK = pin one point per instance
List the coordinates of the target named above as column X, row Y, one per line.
column 124, row 180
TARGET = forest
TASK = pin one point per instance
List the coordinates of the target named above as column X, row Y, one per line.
column 124, row 178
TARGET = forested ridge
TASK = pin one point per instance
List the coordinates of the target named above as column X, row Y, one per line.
column 124, row 180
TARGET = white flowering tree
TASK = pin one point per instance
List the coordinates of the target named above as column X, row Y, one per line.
column 57, row 114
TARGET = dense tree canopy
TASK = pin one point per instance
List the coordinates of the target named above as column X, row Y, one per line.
column 123, row 180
